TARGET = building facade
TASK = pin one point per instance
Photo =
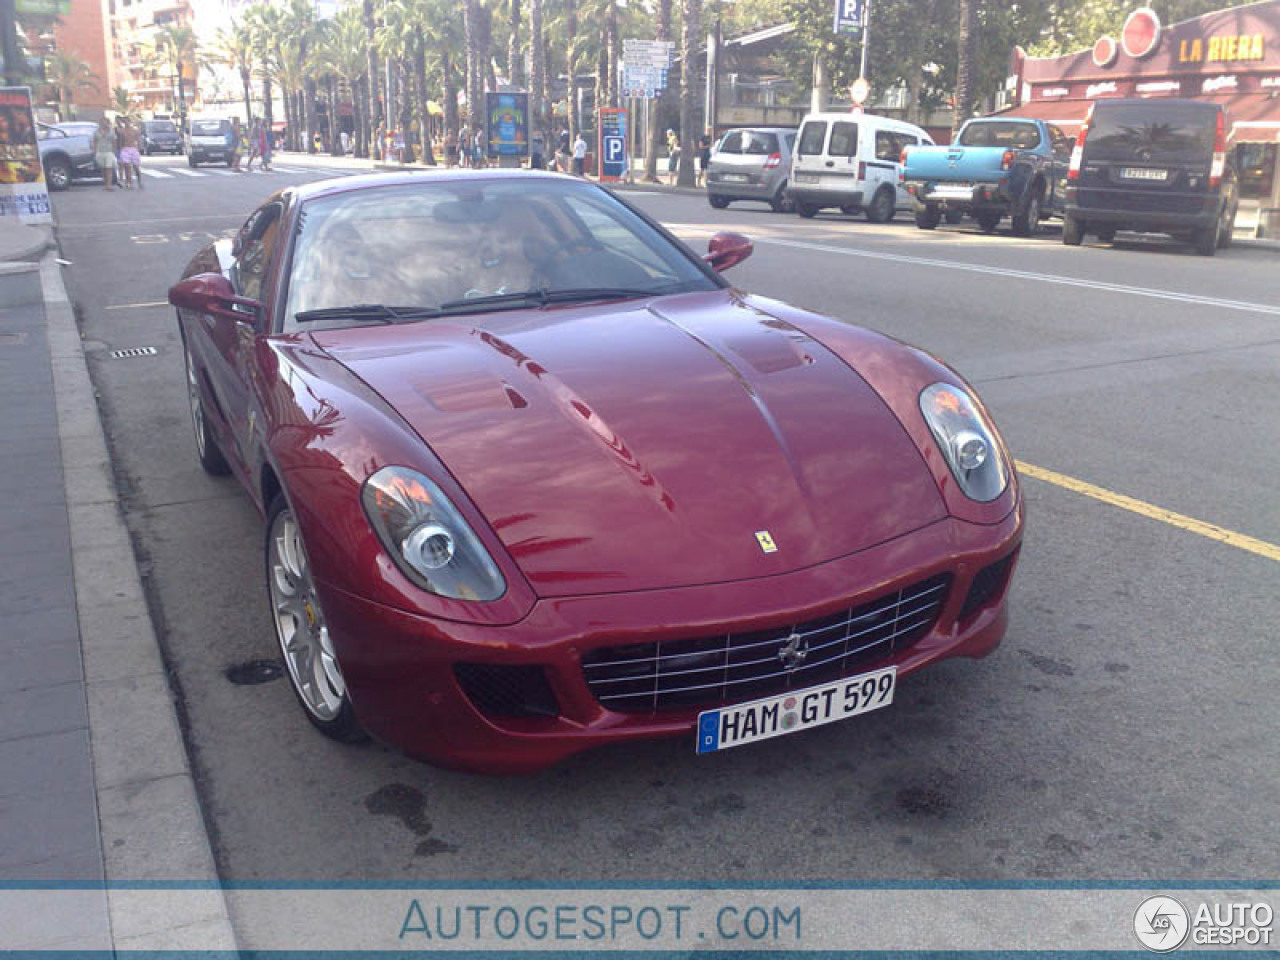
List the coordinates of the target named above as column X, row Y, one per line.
column 139, row 66
column 1230, row 57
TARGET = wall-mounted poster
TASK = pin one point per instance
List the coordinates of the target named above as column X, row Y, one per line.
column 23, row 193
column 508, row 119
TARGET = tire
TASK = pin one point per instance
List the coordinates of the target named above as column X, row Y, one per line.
column 806, row 210
column 1027, row 223
column 928, row 218
column 780, row 202
column 880, row 210
column 1072, row 231
column 207, row 451
column 1106, row 236
column 1206, row 240
column 1227, row 233
column 988, row 222
column 718, row 202
column 57, row 173
column 301, row 630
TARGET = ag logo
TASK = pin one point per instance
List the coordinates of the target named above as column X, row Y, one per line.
column 765, row 539
column 1161, row 924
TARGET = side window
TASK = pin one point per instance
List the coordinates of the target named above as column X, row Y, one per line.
column 889, row 145
column 844, row 140
column 253, row 250
column 811, row 137
column 732, row 143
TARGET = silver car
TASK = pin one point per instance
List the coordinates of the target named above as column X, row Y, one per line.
column 751, row 163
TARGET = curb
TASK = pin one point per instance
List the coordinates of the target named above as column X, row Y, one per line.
column 149, row 816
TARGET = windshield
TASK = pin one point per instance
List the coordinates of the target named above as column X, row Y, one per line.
column 209, row 128
column 1151, row 132
column 427, row 244
column 1007, row 134
column 160, row 126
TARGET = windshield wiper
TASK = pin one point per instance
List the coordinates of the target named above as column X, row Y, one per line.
column 544, row 296
column 367, row 311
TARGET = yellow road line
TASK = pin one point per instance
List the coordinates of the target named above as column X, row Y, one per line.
column 1261, row 547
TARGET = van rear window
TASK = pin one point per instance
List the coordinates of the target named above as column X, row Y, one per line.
column 844, row 140
column 812, row 136
column 209, row 128
column 1151, row 133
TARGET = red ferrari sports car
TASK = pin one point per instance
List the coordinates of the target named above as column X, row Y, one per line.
column 535, row 478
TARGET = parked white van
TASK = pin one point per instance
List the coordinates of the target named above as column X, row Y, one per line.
column 851, row 161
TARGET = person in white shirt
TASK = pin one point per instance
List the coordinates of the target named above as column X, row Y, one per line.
column 579, row 156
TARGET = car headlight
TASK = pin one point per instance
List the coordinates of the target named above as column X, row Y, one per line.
column 966, row 439
column 427, row 537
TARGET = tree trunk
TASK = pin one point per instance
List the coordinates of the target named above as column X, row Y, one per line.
column 420, row 83
column 571, row 68
column 487, row 75
column 966, row 38
column 475, row 82
column 656, row 107
column 267, row 110
column 248, row 94
column 291, row 128
column 335, row 135
column 538, row 78
column 450, row 95
column 371, row 73
column 515, row 56
column 359, row 106
column 404, row 95
column 313, row 120
column 689, row 28
column 601, row 98
column 611, row 44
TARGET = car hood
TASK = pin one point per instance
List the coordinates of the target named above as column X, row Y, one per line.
column 651, row 444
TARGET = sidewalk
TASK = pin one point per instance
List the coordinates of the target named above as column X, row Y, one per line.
column 96, row 792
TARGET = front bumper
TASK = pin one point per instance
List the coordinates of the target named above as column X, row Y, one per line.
column 399, row 667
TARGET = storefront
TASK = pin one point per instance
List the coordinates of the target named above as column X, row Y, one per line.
column 1231, row 56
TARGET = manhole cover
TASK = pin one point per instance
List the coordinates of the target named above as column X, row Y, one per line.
column 131, row 352
column 255, row 671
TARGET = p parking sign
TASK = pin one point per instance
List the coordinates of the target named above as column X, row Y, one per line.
column 613, row 144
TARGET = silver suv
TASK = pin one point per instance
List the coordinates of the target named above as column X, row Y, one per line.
column 751, row 164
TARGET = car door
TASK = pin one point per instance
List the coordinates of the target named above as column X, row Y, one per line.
column 229, row 362
column 1060, row 160
column 840, row 168
column 807, row 162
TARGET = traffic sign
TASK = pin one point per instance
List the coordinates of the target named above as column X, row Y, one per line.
column 860, row 90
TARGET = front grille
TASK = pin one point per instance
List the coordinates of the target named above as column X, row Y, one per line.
column 731, row 668
column 507, row 691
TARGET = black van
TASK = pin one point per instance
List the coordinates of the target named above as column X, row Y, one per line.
column 1153, row 165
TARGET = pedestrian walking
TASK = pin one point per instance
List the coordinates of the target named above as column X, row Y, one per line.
column 673, row 156
column 563, row 149
column 704, row 158
column 104, row 152
column 580, row 156
column 477, row 153
column 344, row 140
column 235, row 144
column 124, row 174
column 130, row 139
column 254, row 144
column 537, row 154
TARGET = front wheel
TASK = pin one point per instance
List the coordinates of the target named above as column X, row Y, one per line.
column 881, row 208
column 1206, row 240
column 1027, row 223
column 1072, row 231
column 302, row 630
column 57, row 173
column 806, row 210
column 780, row 202
column 928, row 218
column 1226, row 234
column 718, row 202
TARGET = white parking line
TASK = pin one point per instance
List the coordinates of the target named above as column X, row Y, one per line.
column 188, row 173
column 1241, row 305
column 224, row 173
column 158, row 174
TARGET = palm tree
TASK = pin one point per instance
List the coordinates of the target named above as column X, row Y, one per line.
column 692, row 10
column 176, row 46
column 655, row 127
column 537, row 72
column 235, row 49
column 122, row 101
column 966, row 40
column 68, row 74
column 342, row 53
column 371, row 72
column 261, row 24
column 515, row 53
column 300, row 21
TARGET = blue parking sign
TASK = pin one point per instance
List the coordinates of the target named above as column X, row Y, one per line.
column 613, row 144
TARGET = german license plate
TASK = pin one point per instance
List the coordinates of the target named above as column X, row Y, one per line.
column 798, row 710
column 807, row 178
column 1143, row 173
column 735, row 177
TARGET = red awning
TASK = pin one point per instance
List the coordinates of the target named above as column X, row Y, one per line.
column 1251, row 117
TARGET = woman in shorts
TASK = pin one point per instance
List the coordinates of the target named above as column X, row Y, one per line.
column 104, row 152
column 130, row 156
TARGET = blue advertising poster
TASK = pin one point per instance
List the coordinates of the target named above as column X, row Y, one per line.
column 508, row 120
column 613, row 143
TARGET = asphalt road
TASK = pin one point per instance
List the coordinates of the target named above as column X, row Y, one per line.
column 1126, row 728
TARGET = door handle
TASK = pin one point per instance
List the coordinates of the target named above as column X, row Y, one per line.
column 831, row 163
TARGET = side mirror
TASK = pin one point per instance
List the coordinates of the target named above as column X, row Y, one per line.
column 727, row 249
column 213, row 294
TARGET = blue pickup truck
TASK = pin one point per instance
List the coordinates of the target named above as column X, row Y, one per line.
column 996, row 167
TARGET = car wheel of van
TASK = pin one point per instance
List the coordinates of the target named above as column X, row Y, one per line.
column 211, row 458
column 806, row 210
column 1106, row 236
column 718, row 202
column 880, row 210
column 1027, row 223
column 57, row 173
column 1206, row 240
column 988, row 222
column 928, row 218
column 781, row 202
column 302, row 630
column 1072, row 231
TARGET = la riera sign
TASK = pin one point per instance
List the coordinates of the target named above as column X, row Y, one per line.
column 1229, row 47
